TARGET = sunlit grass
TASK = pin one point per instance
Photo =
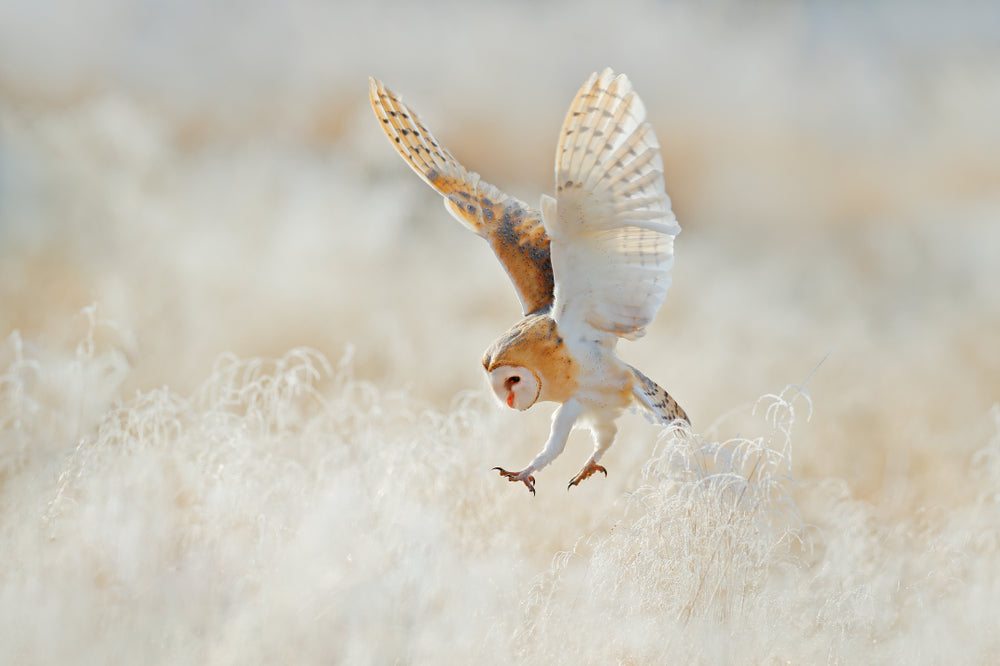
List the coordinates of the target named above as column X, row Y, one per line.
column 242, row 414
column 288, row 510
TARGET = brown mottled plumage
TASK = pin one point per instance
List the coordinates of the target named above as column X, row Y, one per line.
column 512, row 228
column 591, row 267
column 535, row 343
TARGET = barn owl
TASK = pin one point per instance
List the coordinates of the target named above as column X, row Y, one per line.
column 592, row 265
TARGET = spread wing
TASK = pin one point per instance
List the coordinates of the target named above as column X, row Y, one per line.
column 611, row 226
column 513, row 229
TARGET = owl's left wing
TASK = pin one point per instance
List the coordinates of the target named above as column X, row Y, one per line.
column 611, row 226
column 511, row 227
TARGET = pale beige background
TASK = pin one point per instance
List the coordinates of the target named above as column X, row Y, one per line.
column 210, row 176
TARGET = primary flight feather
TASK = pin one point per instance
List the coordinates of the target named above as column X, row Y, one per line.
column 593, row 265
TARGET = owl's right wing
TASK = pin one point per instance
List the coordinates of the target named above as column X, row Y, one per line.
column 513, row 229
column 611, row 226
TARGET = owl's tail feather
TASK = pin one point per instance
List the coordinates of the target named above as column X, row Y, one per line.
column 654, row 403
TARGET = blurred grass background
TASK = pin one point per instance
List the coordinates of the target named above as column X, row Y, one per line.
column 210, row 175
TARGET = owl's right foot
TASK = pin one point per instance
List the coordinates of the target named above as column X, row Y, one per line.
column 524, row 476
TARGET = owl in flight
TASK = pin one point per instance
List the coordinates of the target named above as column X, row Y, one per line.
column 592, row 266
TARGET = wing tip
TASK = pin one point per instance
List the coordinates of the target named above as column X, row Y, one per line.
column 375, row 86
column 606, row 76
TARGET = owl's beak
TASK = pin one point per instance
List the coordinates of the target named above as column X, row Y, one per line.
column 510, row 399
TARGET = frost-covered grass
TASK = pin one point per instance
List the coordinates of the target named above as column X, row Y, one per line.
column 242, row 415
column 286, row 510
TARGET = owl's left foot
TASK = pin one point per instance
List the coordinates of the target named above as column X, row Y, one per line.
column 590, row 468
column 524, row 476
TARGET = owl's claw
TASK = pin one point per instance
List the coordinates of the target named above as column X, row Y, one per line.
column 523, row 476
column 590, row 468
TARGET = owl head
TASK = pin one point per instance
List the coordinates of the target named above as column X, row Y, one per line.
column 515, row 385
column 529, row 363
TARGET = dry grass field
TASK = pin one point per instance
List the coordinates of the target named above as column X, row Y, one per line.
column 242, row 415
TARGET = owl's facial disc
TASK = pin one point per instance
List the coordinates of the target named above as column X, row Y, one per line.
column 515, row 385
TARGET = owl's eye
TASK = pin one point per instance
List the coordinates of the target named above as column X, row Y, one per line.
column 515, row 379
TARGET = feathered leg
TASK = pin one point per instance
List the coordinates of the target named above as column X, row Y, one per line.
column 604, row 436
column 562, row 423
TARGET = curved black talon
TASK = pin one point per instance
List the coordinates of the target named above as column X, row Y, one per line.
column 585, row 472
column 512, row 477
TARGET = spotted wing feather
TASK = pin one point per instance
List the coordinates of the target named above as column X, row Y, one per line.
column 654, row 402
column 611, row 225
column 513, row 229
